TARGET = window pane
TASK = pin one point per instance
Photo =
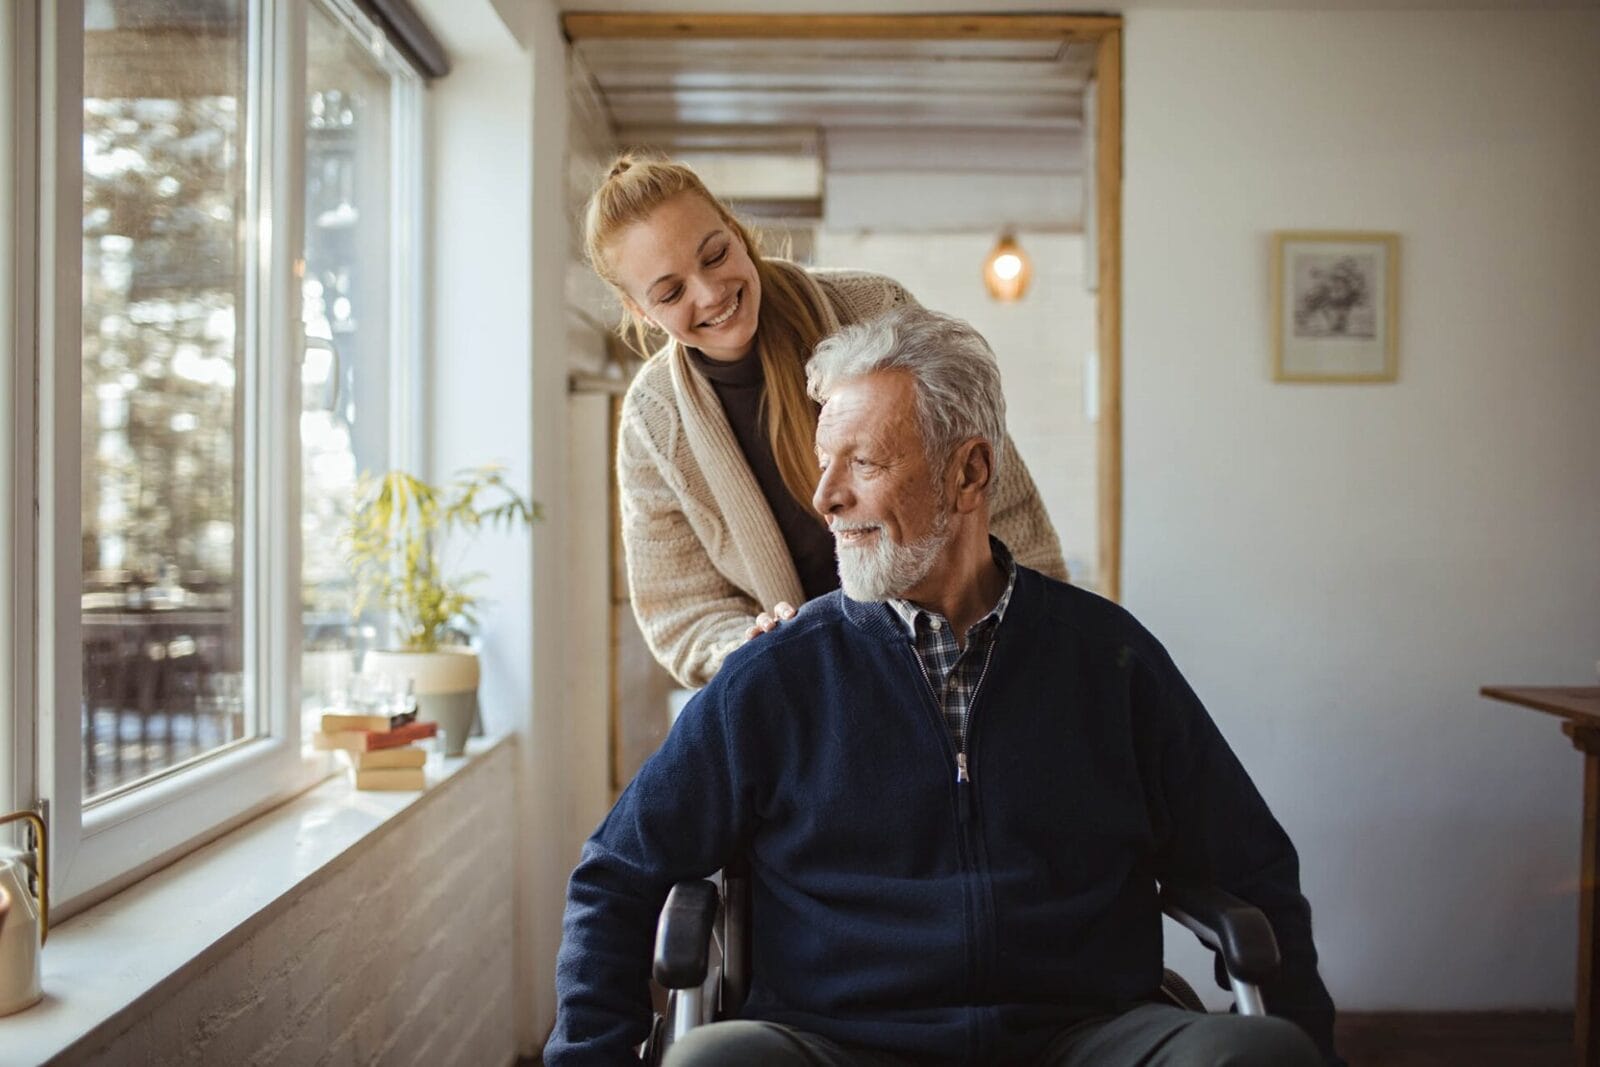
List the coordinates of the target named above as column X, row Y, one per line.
column 163, row 362
column 345, row 416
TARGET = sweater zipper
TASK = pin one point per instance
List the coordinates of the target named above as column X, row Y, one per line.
column 964, row 800
column 963, row 774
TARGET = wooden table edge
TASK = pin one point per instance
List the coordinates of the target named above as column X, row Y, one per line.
column 1543, row 698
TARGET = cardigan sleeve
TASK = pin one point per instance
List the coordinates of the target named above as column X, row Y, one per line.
column 690, row 614
column 1017, row 517
column 858, row 295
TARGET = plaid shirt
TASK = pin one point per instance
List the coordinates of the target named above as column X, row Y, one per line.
column 954, row 672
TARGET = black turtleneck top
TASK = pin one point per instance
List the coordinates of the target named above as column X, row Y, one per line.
column 738, row 386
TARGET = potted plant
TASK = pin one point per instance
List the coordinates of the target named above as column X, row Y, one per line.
column 394, row 547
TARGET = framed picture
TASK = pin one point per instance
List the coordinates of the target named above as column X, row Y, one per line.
column 1336, row 305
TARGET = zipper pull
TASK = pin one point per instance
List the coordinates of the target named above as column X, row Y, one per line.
column 963, row 788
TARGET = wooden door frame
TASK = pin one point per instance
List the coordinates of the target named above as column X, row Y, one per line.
column 1105, row 32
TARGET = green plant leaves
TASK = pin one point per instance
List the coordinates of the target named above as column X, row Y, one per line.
column 392, row 544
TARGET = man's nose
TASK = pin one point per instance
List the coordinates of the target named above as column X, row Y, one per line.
column 829, row 496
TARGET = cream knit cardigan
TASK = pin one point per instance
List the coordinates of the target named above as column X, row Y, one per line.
column 704, row 553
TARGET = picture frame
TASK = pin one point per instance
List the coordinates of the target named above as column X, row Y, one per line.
column 1335, row 306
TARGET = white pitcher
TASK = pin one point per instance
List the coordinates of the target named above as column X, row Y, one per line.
column 25, row 921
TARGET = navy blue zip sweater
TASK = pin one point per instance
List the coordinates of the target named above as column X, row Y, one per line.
column 897, row 909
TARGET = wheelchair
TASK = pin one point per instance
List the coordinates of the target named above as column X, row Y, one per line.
column 700, row 919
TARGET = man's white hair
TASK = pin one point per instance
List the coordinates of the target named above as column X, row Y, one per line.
column 956, row 375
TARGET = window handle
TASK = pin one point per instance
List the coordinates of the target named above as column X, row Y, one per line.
column 330, row 391
column 38, row 864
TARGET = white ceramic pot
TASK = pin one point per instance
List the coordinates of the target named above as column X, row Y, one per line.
column 19, row 938
column 445, row 683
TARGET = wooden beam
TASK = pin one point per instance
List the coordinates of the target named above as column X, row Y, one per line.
column 836, row 115
column 712, row 50
column 1108, row 303
column 1046, row 103
column 803, row 73
column 845, row 107
column 580, row 26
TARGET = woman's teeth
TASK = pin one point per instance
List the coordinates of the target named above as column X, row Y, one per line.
column 726, row 315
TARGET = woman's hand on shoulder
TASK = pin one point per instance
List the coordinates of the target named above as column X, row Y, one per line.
column 768, row 621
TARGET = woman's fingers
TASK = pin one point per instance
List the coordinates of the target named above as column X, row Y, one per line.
column 768, row 621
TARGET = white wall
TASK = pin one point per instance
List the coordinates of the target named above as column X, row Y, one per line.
column 498, row 389
column 1041, row 342
column 1339, row 568
column 481, row 273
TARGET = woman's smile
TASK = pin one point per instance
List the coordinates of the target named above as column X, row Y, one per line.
column 722, row 317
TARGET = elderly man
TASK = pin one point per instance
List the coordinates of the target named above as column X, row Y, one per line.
column 957, row 783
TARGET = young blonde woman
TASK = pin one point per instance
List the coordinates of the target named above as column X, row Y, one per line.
column 715, row 456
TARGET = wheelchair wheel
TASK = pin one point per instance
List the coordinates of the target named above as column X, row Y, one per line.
column 1179, row 992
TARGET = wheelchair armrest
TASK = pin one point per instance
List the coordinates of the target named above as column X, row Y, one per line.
column 1238, row 932
column 683, row 935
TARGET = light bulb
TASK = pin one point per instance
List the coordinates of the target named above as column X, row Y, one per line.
column 1007, row 266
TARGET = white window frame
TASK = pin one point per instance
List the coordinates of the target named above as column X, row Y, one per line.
column 18, row 24
column 407, row 148
column 107, row 843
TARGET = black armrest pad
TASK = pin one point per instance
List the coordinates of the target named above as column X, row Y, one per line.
column 683, row 935
column 1238, row 932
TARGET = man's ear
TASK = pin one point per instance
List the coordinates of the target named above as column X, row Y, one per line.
column 974, row 470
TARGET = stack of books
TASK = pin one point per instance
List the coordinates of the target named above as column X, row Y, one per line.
column 380, row 749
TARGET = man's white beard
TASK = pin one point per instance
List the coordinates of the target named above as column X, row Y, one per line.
column 884, row 570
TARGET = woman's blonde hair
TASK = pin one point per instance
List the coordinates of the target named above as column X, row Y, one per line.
column 788, row 325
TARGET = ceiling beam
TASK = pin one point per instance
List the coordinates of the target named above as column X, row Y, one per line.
column 844, row 49
column 821, row 77
column 724, row 137
column 837, row 114
column 1046, row 101
column 589, row 25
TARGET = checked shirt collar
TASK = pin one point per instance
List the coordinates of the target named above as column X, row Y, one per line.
column 952, row 671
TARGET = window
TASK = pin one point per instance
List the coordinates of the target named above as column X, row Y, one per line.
column 350, row 388
column 227, row 377
column 164, row 361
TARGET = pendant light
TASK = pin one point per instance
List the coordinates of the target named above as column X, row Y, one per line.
column 1007, row 270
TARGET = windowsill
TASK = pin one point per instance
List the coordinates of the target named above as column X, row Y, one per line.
column 100, row 966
